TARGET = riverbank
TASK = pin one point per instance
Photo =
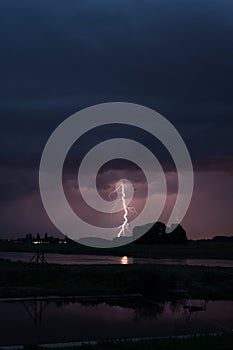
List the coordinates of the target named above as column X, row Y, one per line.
column 23, row 280
column 192, row 250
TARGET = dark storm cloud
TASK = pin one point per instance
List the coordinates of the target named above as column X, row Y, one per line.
column 16, row 183
column 58, row 57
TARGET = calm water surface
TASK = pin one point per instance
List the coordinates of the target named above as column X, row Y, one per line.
column 69, row 259
column 41, row 322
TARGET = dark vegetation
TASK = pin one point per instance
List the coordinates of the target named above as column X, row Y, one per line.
column 153, row 233
column 156, row 234
column 155, row 243
column 21, row 279
column 195, row 250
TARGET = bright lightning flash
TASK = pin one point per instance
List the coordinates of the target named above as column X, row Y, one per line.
column 130, row 210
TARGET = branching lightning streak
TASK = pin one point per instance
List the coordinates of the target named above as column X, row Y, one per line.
column 125, row 223
column 126, row 209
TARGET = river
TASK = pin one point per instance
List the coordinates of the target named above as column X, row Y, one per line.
column 78, row 259
column 56, row 321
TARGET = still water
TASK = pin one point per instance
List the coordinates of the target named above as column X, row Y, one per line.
column 41, row 322
column 75, row 259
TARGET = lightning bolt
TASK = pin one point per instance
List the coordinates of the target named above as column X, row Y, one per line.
column 130, row 210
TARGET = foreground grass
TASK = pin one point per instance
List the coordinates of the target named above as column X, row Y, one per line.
column 219, row 342
column 21, row 279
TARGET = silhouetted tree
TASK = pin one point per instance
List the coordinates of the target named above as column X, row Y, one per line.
column 156, row 234
column 178, row 235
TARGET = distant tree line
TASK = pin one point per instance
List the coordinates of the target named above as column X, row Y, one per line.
column 45, row 238
column 156, row 234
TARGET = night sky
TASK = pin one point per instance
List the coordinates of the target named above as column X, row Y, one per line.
column 60, row 56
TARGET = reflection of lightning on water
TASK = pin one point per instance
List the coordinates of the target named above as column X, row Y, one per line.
column 130, row 210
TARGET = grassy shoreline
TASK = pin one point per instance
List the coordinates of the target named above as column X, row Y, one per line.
column 223, row 341
column 202, row 342
column 21, row 279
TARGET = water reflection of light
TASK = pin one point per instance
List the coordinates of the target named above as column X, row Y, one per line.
column 124, row 260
